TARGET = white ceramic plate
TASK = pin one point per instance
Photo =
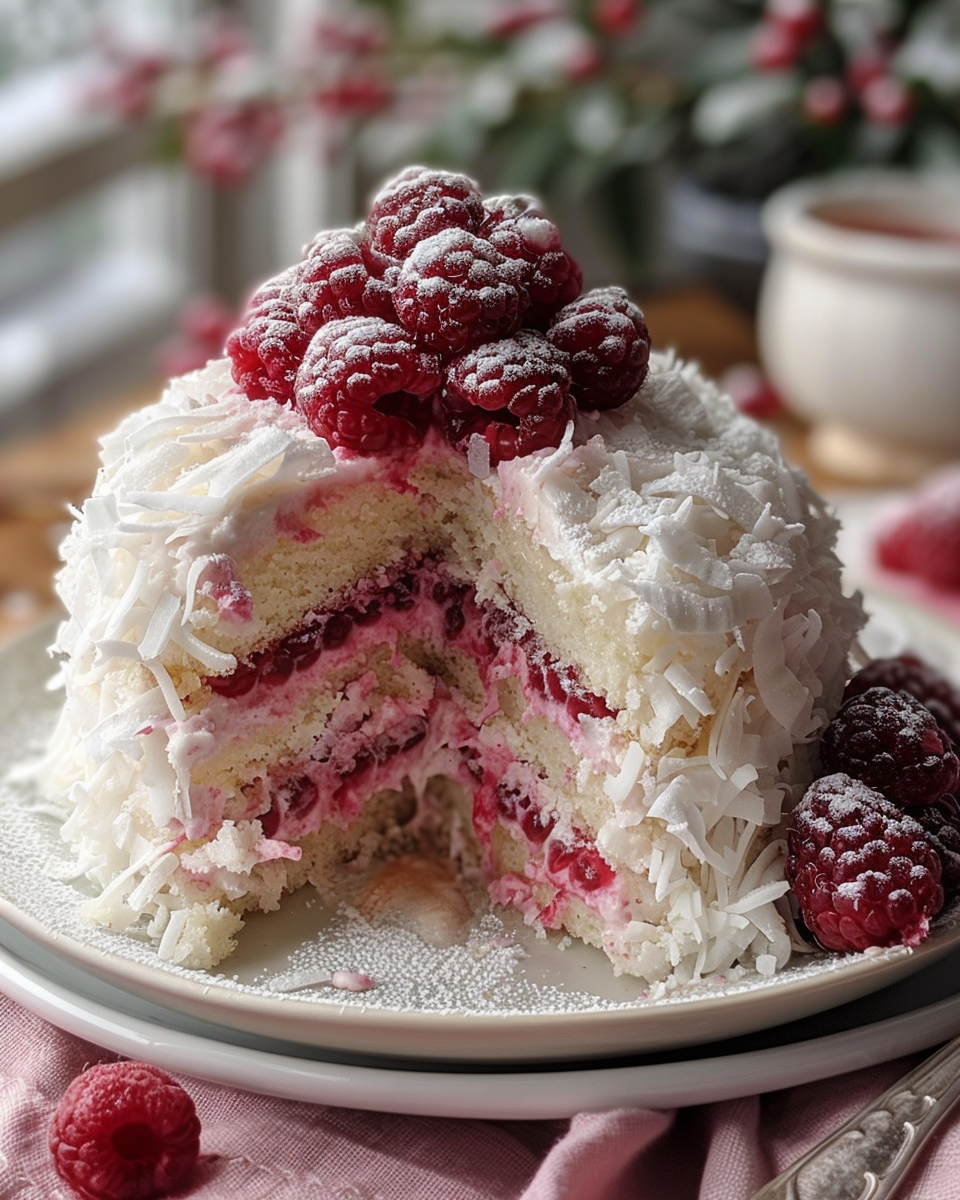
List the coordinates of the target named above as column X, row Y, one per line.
column 906, row 1018
column 503, row 995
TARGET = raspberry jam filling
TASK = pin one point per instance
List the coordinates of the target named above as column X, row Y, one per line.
column 566, row 859
column 370, row 748
column 442, row 607
column 357, row 766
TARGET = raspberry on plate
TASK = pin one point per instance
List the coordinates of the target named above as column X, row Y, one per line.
column 124, row 1131
column 941, row 821
column 921, row 537
column 519, row 229
column 418, row 203
column 864, row 872
column 606, row 337
column 893, row 743
column 456, row 291
column 366, row 386
column 514, row 393
column 907, row 673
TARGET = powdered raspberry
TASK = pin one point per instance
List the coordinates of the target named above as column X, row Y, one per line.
column 906, row 673
column 514, row 393
column 456, row 291
column 606, row 337
column 419, row 203
column 891, row 742
column 266, row 350
column 864, row 873
column 364, row 385
column 922, row 536
column 341, row 276
column 124, row 1131
column 524, row 374
column 519, row 229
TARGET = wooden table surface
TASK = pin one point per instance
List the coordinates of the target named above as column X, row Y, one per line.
column 41, row 474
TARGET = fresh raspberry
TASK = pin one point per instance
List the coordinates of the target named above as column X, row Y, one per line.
column 519, row 229
column 266, row 350
column 942, row 824
column 124, row 1131
column 864, row 872
column 456, row 291
column 891, row 742
column 922, row 537
column 340, row 276
column 514, row 393
column 364, row 385
column 419, row 203
column 606, row 337
column 524, row 374
column 907, row 673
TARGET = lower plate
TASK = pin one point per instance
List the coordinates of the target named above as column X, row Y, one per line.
column 910, row 1016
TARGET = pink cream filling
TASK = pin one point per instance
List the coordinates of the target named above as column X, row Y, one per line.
column 367, row 748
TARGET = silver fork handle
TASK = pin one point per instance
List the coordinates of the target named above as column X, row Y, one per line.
column 866, row 1158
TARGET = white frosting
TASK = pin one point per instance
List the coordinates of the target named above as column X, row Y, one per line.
column 675, row 515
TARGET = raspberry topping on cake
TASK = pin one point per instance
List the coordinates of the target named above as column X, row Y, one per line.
column 268, row 348
column 519, row 229
column 341, row 276
column 907, row 673
column 606, row 337
column 459, row 275
column 515, row 394
column 864, row 872
column 363, row 383
column 456, row 291
column 419, row 203
column 891, row 742
column 124, row 1131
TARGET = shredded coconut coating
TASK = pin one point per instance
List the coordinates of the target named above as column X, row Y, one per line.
column 676, row 559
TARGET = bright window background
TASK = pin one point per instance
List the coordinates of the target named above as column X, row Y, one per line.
column 100, row 243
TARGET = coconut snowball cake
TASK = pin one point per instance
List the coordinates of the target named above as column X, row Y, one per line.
column 441, row 555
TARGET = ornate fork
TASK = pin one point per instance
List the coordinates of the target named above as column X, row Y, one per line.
column 867, row 1158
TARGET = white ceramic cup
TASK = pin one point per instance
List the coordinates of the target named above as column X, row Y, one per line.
column 858, row 319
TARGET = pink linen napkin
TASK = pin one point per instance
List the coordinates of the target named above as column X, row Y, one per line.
column 259, row 1148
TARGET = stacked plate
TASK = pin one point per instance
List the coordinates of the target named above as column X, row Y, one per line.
column 502, row 1024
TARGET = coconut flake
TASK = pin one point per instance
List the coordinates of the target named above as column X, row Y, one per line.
column 165, row 616
column 618, row 787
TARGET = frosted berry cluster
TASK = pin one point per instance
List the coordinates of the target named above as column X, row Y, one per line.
column 441, row 310
column 874, row 845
